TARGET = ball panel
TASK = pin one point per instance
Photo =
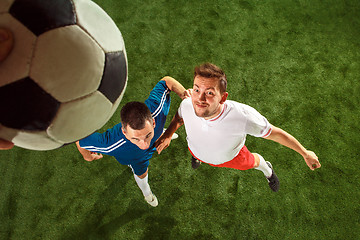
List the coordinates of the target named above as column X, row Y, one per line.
column 21, row 53
column 41, row 16
column 79, row 118
column 115, row 75
column 116, row 105
column 35, row 108
column 5, row 5
column 65, row 77
column 29, row 139
column 99, row 25
column 8, row 133
column 69, row 56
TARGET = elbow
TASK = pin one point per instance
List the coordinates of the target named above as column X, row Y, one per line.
column 167, row 78
column 169, row 82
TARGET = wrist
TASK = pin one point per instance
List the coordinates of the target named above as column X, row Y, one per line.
column 168, row 133
column 305, row 154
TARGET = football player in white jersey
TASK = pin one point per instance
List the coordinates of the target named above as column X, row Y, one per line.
column 216, row 128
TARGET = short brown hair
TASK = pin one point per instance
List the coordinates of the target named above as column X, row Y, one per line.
column 209, row 70
column 135, row 115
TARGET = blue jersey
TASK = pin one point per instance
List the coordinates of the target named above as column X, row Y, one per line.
column 114, row 143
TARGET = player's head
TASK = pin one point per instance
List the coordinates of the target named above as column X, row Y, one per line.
column 137, row 124
column 209, row 90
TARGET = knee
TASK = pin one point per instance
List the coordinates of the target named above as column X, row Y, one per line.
column 256, row 159
column 143, row 175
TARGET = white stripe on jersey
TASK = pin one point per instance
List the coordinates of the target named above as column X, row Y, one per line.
column 158, row 110
column 107, row 149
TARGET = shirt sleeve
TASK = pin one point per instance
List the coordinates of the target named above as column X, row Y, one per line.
column 181, row 107
column 100, row 142
column 91, row 141
column 256, row 124
column 159, row 96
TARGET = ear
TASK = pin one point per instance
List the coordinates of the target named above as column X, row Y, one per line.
column 123, row 130
column 224, row 97
column 154, row 124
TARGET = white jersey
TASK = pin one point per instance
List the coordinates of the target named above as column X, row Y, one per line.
column 221, row 138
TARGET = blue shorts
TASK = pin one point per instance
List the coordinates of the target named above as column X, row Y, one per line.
column 139, row 168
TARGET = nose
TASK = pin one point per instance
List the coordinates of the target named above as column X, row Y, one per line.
column 143, row 145
column 202, row 97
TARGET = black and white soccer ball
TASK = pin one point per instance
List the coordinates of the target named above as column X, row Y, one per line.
column 66, row 74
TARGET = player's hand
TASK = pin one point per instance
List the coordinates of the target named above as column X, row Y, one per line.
column 94, row 156
column 5, row 145
column 162, row 143
column 187, row 93
column 312, row 160
column 6, row 43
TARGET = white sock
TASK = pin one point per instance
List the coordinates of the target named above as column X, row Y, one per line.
column 264, row 167
column 143, row 185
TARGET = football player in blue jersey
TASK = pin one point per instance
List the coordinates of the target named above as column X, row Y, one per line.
column 131, row 141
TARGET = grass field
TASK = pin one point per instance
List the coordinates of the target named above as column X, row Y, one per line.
column 296, row 61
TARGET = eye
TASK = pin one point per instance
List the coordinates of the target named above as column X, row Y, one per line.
column 196, row 90
column 210, row 93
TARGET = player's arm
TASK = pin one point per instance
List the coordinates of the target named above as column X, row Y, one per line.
column 88, row 155
column 284, row 138
column 6, row 44
column 4, row 144
column 164, row 140
column 176, row 87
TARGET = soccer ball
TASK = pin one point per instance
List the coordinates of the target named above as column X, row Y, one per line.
column 66, row 74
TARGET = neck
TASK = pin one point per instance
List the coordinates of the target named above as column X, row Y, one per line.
column 217, row 112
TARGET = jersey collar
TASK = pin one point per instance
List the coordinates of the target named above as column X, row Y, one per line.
column 220, row 114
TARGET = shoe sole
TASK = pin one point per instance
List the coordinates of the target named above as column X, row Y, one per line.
column 273, row 172
column 195, row 163
column 154, row 201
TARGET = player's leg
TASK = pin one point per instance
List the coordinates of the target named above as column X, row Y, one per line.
column 266, row 168
column 260, row 164
column 195, row 163
column 142, row 182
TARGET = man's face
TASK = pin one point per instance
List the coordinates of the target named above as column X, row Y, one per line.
column 141, row 138
column 206, row 97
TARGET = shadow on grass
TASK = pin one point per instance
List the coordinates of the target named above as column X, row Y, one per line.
column 160, row 226
column 92, row 226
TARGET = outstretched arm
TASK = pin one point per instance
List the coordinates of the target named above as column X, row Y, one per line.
column 6, row 44
column 176, row 87
column 284, row 138
column 4, row 144
column 164, row 140
column 88, row 155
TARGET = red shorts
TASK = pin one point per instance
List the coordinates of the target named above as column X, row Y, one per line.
column 243, row 161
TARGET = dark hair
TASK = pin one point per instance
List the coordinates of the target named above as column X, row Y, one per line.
column 209, row 70
column 135, row 115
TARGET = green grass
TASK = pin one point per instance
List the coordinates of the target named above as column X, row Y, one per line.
column 295, row 61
